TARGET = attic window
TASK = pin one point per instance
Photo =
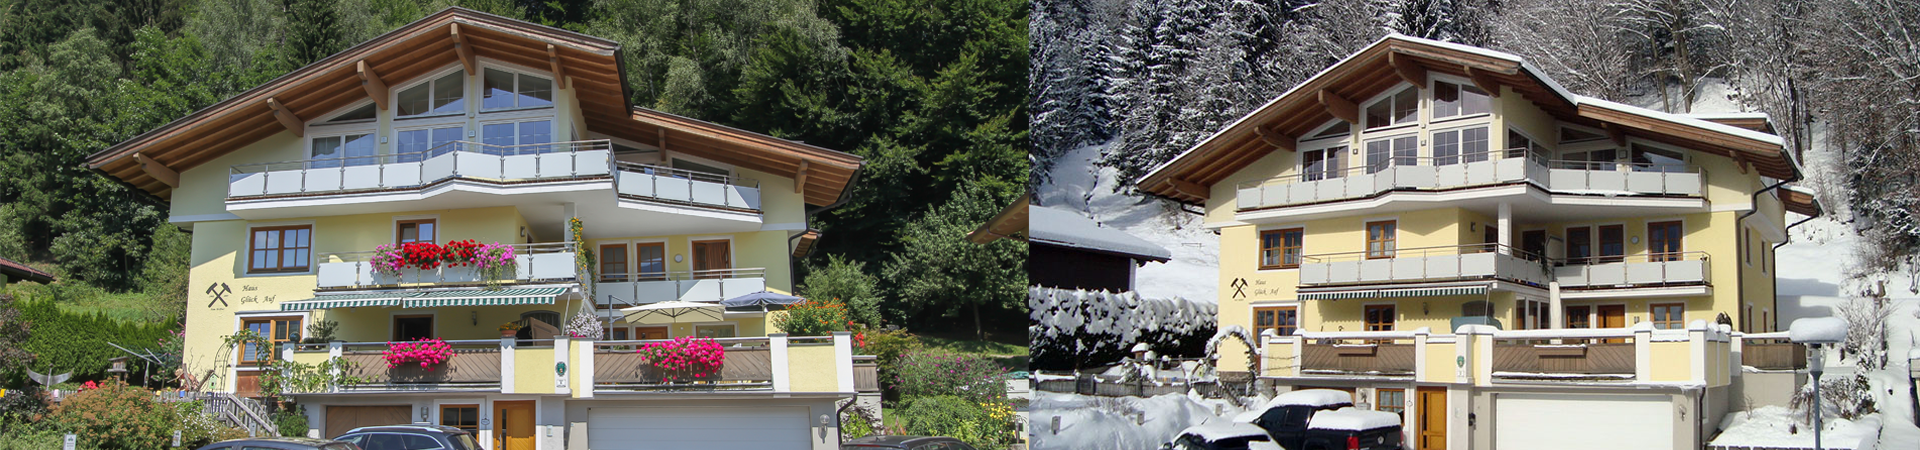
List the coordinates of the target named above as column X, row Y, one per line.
column 1459, row 100
column 1339, row 128
column 1576, row 135
column 503, row 89
column 439, row 96
column 1401, row 108
column 362, row 113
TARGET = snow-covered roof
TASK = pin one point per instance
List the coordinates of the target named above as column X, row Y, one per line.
column 1353, row 419
column 1817, row 330
column 1311, row 397
column 1064, row 228
column 1680, row 119
column 1225, row 430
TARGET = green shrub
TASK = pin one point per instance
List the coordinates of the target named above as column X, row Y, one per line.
column 118, row 416
column 969, row 376
column 984, row 425
column 290, row 422
column 845, row 280
column 78, row 342
column 887, row 347
column 27, row 437
column 813, row 318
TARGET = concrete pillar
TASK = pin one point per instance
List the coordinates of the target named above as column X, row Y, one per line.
column 1558, row 314
column 843, row 359
column 1643, row 351
column 334, row 350
column 562, row 348
column 1697, row 350
column 1420, row 354
column 582, row 370
column 1506, row 227
column 777, row 349
column 506, row 365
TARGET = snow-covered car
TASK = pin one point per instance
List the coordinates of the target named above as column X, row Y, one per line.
column 1222, row 436
column 1287, row 415
column 1352, row 429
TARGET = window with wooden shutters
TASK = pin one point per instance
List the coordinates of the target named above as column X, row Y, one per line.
column 280, row 249
column 613, row 262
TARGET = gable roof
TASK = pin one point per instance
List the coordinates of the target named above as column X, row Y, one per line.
column 1062, row 228
column 1387, row 62
column 21, row 271
column 591, row 66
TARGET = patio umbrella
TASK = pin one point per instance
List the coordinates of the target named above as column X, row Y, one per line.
column 761, row 299
column 674, row 312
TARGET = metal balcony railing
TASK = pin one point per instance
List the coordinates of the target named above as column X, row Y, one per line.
column 1383, row 173
column 542, row 262
column 458, row 159
column 686, row 186
column 1475, row 261
column 624, row 289
column 1655, row 269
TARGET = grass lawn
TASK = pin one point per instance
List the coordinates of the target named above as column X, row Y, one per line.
column 969, row 345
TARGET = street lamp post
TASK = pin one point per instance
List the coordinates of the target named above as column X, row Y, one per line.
column 1816, row 364
column 1816, row 332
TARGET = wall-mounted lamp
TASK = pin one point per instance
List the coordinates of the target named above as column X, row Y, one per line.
column 824, row 420
column 1423, row 308
column 476, row 317
column 677, row 257
column 423, row 413
column 1473, row 226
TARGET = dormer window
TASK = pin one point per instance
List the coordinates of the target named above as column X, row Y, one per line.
column 439, row 96
column 1400, row 108
column 503, row 89
column 1459, row 100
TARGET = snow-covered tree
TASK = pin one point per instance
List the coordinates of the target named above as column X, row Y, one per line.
column 1579, row 43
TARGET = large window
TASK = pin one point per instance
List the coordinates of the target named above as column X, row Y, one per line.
column 1323, row 164
column 1669, row 316
column 1398, row 151
column 1663, row 241
column 1655, row 159
column 1401, row 108
column 522, row 138
column 413, row 142
column 444, row 95
column 1380, row 239
column 712, row 259
column 278, row 330
column 1463, row 145
column 1280, row 249
column 1379, row 317
column 1577, row 317
column 1530, row 315
column 280, row 249
column 613, row 262
column 465, row 417
column 651, row 258
column 1519, row 145
column 503, row 89
column 350, row 150
column 407, row 328
column 1283, row 320
column 1459, row 100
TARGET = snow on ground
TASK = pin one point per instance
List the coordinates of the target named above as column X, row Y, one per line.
column 1194, row 273
column 1112, row 423
column 1768, row 427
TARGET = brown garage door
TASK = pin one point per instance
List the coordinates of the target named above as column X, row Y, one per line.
column 343, row 418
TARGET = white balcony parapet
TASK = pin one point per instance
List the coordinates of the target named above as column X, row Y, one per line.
column 685, row 186
column 1660, row 269
column 459, row 159
column 694, row 286
column 1478, row 169
column 1476, row 261
column 546, row 262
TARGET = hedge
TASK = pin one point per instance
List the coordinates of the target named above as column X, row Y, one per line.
column 63, row 341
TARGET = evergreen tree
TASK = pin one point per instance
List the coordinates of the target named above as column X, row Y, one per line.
column 313, row 32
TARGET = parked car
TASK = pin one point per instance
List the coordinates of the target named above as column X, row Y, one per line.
column 1286, row 416
column 280, row 443
column 905, row 443
column 1222, row 436
column 410, row 437
column 1353, row 429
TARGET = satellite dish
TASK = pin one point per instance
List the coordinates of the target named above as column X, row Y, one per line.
column 48, row 380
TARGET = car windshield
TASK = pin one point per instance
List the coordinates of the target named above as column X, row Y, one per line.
column 1237, row 443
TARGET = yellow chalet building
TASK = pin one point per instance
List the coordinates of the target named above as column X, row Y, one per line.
column 467, row 126
column 1448, row 234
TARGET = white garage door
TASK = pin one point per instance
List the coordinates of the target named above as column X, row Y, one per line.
column 1576, row 422
column 622, row 428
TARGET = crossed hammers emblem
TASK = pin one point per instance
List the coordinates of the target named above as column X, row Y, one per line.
column 219, row 292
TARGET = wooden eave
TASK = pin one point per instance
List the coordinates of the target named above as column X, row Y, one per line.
column 1371, row 72
column 1799, row 202
column 1011, row 222
column 803, row 244
column 591, row 65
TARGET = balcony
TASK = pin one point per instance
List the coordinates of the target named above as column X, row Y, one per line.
column 618, row 290
column 1469, row 171
column 1376, row 358
column 1701, row 354
column 536, row 264
column 1447, row 263
column 530, row 176
column 748, row 366
column 1662, row 269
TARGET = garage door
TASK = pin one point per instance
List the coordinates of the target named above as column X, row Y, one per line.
column 343, row 418
column 1611, row 422
column 704, row 428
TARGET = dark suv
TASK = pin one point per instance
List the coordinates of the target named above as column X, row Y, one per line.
column 280, row 443
column 410, row 437
column 905, row 443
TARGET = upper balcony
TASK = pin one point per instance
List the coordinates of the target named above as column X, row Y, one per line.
column 472, row 174
column 619, row 290
column 544, row 263
column 1581, row 277
column 1683, row 269
column 1407, row 182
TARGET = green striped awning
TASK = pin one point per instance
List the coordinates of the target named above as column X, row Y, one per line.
column 1394, row 293
column 482, row 297
column 346, row 301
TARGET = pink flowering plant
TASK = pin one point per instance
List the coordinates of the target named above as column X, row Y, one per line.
column 425, row 351
column 387, row 260
column 495, row 262
column 684, row 359
column 929, row 374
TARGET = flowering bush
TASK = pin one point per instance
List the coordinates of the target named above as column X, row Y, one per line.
column 388, row 260
column 426, row 351
column 969, row 376
column 813, row 318
column 981, row 424
column 115, row 415
column 684, row 359
column 495, row 261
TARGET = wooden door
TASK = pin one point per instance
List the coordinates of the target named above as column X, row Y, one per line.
column 1612, row 316
column 1432, row 418
column 644, row 333
column 340, row 419
column 513, row 427
column 711, row 258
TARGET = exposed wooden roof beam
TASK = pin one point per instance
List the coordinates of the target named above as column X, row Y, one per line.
column 800, row 179
column 158, row 171
column 287, row 119
column 1484, row 81
column 559, row 71
column 1276, row 138
column 1615, row 134
column 374, row 86
column 1340, row 107
column 1408, row 70
column 1189, row 188
column 464, row 49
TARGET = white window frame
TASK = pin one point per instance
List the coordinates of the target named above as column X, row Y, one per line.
column 466, row 96
column 480, row 129
column 1323, row 128
column 479, row 94
column 1433, row 102
column 1419, row 112
column 1322, row 145
column 1460, row 152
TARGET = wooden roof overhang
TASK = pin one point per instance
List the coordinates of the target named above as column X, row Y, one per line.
column 587, row 64
column 1799, row 202
column 1338, row 93
column 819, row 174
column 1010, row 222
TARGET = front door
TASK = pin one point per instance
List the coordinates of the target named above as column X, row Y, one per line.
column 645, row 333
column 711, row 259
column 1433, row 419
column 514, row 427
column 1612, row 316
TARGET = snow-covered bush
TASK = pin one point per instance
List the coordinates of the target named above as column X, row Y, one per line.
column 1069, row 329
column 1846, row 397
column 1866, row 340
